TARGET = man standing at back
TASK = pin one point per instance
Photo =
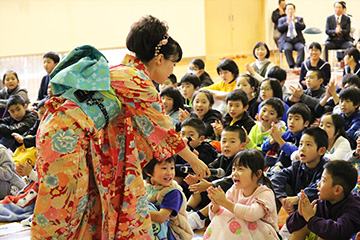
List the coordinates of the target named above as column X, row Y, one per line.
column 338, row 30
column 276, row 15
column 291, row 37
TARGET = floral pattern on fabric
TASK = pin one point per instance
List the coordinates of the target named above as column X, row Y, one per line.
column 68, row 205
column 140, row 133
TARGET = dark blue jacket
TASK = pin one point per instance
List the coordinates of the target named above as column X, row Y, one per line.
column 291, row 145
column 352, row 125
column 299, row 177
column 43, row 87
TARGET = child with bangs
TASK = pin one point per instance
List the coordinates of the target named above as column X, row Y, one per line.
column 237, row 105
column 250, row 85
column 271, row 111
column 173, row 101
column 167, row 201
column 248, row 209
column 271, row 87
column 203, row 101
column 280, row 147
column 228, row 72
column 189, row 84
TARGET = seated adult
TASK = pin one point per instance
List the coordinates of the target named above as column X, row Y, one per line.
column 276, row 14
column 291, row 37
column 315, row 62
column 338, row 30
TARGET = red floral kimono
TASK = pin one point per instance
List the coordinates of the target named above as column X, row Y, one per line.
column 140, row 133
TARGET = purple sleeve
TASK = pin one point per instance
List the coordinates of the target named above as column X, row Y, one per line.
column 172, row 200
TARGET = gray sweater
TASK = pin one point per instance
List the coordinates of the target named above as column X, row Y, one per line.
column 7, row 169
column 19, row 90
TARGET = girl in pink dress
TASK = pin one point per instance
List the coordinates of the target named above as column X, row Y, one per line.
column 248, row 209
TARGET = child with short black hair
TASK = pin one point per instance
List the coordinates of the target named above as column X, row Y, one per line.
column 281, row 75
column 271, row 111
column 195, row 129
column 50, row 60
column 250, row 85
column 189, row 84
column 19, row 121
column 197, row 66
column 280, row 147
column 173, row 101
column 349, row 104
column 312, row 95
column 337, row 211
column 233, row 140
column 228, row 72
column 170, row 82
column 237, row 104
column 271, row 87
column 351, row 58
column 167, row 198
column 302, row 174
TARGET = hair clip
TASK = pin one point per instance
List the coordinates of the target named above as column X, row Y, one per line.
column 162, row 42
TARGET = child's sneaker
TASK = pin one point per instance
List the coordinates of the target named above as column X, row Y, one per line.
column 195, row 222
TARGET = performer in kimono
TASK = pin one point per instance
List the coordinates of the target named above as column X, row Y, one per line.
column 142, row 131
column 71, row 200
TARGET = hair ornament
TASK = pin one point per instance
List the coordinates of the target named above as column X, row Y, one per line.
column 162, row 42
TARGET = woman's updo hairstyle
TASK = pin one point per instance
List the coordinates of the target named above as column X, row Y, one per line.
column 146, row 34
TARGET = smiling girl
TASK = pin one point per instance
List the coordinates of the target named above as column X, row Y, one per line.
column 12, row 87
column 173, row 101
column 315, row 62
column 203, row 101
column 228, row 72
column 248, row 209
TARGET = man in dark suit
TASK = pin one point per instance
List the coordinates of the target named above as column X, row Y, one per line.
column 338, row 30
column 276, row 15
column 291, row 37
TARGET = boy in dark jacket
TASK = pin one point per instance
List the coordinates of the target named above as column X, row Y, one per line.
column 237, row 104
column 279, row 148
column 349, row 104
column 303, row 174
column 19, row 121
column 50, row 60
column 337, row 212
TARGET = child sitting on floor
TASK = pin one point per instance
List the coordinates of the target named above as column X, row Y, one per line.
column 280, row 147
column 237, row 105
column 168, row 200
column 337, row 212
column 271, row 111
column 302, row 174
column 248, row 209
column 19, row 121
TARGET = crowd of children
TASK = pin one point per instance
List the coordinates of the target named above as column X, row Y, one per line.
column 287, row 133
column 268, row 146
